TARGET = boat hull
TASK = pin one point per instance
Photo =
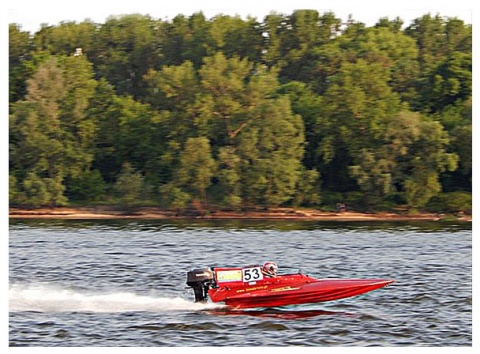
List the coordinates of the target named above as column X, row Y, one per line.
column 293, row 289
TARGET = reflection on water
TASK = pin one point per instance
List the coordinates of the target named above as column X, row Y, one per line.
column 242, row 225
column 276, row 313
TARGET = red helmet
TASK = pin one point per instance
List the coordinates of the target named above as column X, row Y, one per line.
column 270, row 268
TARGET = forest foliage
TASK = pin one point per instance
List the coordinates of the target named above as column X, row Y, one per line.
column 299, row 109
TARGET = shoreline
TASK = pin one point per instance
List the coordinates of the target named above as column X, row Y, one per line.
column 152, row 213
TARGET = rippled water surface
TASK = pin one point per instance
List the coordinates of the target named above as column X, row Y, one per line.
column 122, row 283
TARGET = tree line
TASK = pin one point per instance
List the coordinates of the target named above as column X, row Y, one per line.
column 299, row 109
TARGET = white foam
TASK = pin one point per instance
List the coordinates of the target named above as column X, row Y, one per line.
column 51, row 298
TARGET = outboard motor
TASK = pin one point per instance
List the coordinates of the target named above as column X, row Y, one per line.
column 200, row 280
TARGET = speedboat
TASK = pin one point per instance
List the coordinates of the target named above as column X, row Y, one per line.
column 248, row 287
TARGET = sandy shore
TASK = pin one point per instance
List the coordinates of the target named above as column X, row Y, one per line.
column 273, row 214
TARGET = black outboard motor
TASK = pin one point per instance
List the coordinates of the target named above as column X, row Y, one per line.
column 200, row 280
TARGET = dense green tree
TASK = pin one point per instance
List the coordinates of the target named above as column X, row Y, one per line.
column 274, row 32
column 438, row 37
column 372, row 174
column 19, row 45
column 309, row 106
column 172, row 93
column 226, row 100
column 174, row 197
column 196, row 40
column 185, row 39
column 103, row 109
column 12, row 189
column 308, row 188
column 356, row 107
column 88, row 186
column 249, row 113
column 444, row 46
column 457, row 120
column 430, row 159
column 461, row 143
column 136, row 133
column 393, row 25
column 271, row 151
column 450, row 82
column 265, row 139
column 126, row 131
column 196, row 168
column 291, row 40
column 78, row 127
column 416, row 148
column 397, row 53
column 129, row 186
column 38, row 191
column 173, row 89
column 52, row 137
column 36, row 152
column 235, row 37
column 429, row 34
column 124, row 51
column 66, row 37
column 18, row 52
column 229, row 176
column 355, row 114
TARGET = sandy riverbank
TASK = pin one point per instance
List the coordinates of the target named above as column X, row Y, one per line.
column 273, row 214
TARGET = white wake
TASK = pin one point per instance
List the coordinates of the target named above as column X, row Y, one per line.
column 51, row 298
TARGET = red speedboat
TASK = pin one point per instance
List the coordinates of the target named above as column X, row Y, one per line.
column 250, row 287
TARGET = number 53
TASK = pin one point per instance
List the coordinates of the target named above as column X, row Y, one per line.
column 252, row 274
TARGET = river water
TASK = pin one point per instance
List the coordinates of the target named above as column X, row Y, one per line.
column 122, row 283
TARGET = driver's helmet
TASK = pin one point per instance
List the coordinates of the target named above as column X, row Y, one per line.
column 270, row 269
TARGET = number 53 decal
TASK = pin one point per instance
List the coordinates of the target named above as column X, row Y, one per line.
column 252, row 274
